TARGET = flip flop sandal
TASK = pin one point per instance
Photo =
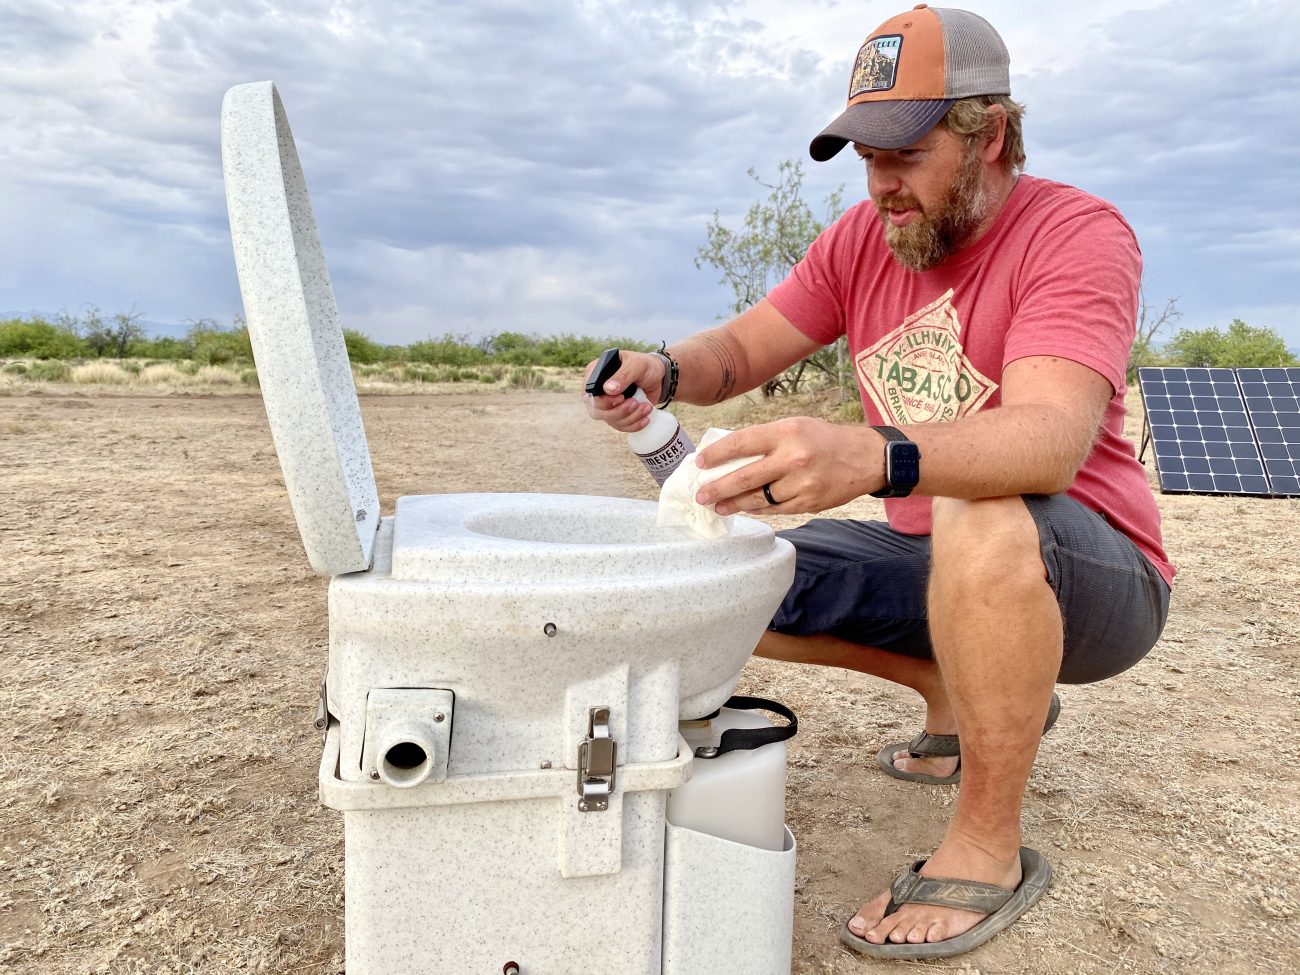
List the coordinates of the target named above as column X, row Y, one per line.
column 1001, row 905
column 926, row 745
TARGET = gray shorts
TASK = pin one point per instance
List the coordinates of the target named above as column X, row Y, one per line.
column 866, row 583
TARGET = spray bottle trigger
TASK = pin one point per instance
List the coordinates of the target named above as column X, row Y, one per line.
column 608, row 364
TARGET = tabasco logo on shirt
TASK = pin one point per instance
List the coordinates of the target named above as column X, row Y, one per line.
column 919, row 372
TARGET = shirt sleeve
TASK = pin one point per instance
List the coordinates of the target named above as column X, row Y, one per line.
column 1079, row 296
column 812, row 295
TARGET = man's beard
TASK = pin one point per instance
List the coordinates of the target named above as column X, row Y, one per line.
column 930, row 238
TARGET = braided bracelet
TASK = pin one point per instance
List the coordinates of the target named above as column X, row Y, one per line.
column 670, row 376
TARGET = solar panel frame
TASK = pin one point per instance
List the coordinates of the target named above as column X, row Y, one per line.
column 1200, row 431
column 1272, row 398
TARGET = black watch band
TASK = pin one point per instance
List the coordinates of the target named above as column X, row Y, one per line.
column 902, row 463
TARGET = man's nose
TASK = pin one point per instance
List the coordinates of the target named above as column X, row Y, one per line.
column 882, row 180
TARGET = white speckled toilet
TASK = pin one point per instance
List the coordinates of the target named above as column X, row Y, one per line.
column 506, row 672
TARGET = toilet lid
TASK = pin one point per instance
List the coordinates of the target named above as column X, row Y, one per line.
column 302, row 362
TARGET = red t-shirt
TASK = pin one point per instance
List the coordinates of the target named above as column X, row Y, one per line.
column 1056, row 275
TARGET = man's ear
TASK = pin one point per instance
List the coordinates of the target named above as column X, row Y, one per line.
column 997, row 133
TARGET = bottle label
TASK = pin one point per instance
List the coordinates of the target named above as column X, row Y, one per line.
column 669, row 457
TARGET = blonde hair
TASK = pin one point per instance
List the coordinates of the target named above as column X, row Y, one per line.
column 969, row 118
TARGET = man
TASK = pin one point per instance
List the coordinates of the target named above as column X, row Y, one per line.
column 989, row 315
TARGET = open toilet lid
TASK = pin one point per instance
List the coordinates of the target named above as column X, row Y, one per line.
column 302, row 362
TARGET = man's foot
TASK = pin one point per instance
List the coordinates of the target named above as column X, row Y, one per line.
column 939, row 720
column 940, row 767
column 918, row 923
column 934, row 757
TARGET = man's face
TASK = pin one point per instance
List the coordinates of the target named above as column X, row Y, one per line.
column 931, row 196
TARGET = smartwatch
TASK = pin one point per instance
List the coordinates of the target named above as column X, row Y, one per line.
column 902, row 464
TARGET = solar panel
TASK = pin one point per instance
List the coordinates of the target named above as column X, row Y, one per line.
column 1273, row 403
column 1201, row 432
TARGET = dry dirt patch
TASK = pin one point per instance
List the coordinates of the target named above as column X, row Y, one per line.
column 163, row 638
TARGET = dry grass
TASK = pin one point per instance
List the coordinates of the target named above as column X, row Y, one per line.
column 216, row 376
column 163, row 639
column 162, row 374
column 130, row 377
column 101, row 374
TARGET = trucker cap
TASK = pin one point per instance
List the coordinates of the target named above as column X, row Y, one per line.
column 910, row 71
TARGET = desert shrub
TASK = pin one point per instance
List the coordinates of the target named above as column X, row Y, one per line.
column 16, row 368
column 38, row 339
column 163, row 347
column 50, row 371
column 189, row 367
column 161, row 374
column 216, row 346
column 417, row 374
column 217, row 376
column 526, row 377
column 361, row 348
column 1240, row 345
column 249, row 378
column 100, row 373
column 450, row 350
column 132, row 366
column 851, row 411
column 484, row 377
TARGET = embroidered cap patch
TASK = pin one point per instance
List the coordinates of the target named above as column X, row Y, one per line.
column 876, row 66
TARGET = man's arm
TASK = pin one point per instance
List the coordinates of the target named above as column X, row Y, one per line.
column 1034, row 443
column 714, row 365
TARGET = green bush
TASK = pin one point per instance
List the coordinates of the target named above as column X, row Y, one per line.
column 361, row 349
column 450, row 350
column 50, row 371
column 216, row 345
column 39, row 339
column 417, row 374
column 164, row 348
column 1240, row 346
column 249, row 378
column 526, row 378
column 16, row 368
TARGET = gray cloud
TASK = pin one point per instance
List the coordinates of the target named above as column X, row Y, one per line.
column 483, row 166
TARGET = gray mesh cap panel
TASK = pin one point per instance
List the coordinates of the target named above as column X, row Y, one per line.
column 976, row 61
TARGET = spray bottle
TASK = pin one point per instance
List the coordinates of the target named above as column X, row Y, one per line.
column 662, row 445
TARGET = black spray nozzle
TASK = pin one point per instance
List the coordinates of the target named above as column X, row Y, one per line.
column 608, row 364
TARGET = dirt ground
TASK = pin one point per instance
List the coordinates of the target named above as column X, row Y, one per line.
column 163, row 639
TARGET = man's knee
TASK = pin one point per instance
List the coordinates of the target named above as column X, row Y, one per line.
column 995, row 539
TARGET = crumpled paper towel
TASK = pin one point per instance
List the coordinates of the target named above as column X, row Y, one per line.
column 677, row 504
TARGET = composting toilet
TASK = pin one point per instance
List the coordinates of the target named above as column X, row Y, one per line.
column 507, row 672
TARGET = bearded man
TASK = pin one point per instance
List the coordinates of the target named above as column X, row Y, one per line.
column 990, row 316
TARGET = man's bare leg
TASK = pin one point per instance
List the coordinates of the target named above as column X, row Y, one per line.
column 921, row 675
column 996, row 629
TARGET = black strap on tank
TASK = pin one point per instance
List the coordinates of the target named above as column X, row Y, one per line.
column 747, row 739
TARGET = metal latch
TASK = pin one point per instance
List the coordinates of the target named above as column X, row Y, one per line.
column 596, row 763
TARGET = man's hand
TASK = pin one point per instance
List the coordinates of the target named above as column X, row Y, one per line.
column 621, row 412
column 808, row 465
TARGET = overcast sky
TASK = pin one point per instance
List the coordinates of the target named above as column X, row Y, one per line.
column 546, row 166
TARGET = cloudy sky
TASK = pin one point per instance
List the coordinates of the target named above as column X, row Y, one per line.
column 550, row 166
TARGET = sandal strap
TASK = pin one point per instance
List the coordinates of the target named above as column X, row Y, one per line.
column 926, row 745
column 964, row 895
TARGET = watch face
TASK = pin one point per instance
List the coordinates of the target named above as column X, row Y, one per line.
column 904, row 465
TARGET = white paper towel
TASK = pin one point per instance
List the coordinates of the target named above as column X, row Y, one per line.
column 677, row 504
